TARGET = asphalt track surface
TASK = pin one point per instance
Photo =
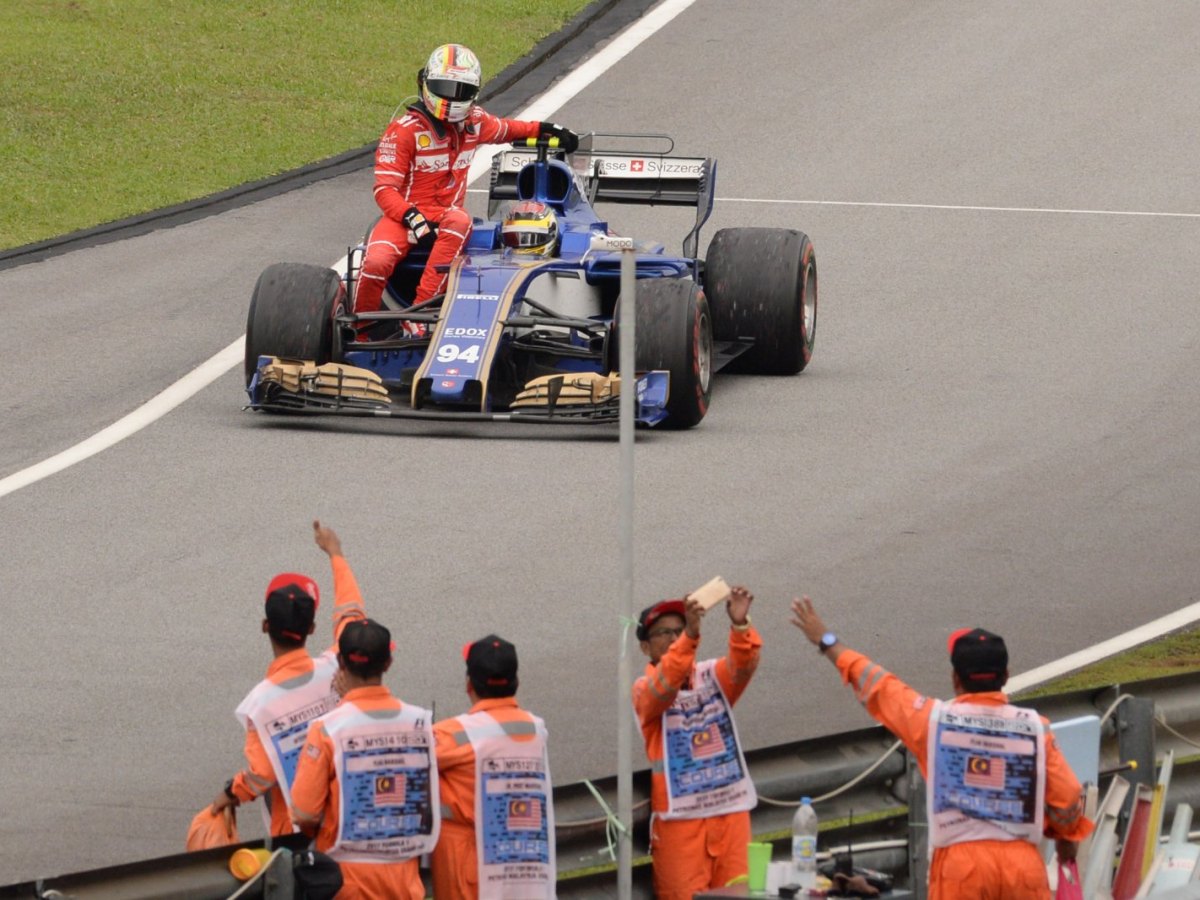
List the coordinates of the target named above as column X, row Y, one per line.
column 1001, row 424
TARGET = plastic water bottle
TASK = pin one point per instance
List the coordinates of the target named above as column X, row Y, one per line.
column 804, row 844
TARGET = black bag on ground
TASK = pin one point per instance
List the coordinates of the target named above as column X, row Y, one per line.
column 317, row 875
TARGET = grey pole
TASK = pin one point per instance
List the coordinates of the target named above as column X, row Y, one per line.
column 625, row 667
column 918, row 831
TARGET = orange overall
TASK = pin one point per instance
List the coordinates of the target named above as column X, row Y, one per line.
column 692, row 855
column 972, row 870
column 454, row 866
column 258, row 778
column 316, row 794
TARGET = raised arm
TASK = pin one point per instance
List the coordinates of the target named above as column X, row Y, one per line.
column 745, row 645
column 347, row 598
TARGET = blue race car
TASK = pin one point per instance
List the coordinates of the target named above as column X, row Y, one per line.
column 534, row 338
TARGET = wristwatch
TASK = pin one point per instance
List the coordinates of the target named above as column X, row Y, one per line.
column 828, row 639
column 229, row 790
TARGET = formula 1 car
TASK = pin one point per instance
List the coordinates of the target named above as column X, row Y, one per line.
column 517, row 339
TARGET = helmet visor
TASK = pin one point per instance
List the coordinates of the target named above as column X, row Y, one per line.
column 524, row 238
column 454, row 91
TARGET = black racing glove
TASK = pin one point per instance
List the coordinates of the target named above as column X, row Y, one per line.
column 567, row 139
column 417, row 223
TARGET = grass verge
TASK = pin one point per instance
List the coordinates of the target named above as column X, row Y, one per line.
column 111, row 108
column 1175, row 654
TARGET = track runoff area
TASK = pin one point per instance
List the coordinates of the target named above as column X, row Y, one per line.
column 544, row 107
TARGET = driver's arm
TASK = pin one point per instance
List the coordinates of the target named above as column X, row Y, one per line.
column 494, row 130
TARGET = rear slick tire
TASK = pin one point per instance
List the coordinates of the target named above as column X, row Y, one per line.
column 762, row 284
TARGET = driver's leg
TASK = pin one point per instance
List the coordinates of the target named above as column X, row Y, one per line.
column 453, row 229
column 386, row 247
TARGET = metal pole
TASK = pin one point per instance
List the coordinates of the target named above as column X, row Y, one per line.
column 1135, row 741
column 625, row 667
column 918, row 831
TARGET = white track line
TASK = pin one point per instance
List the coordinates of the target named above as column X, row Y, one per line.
column 208, row 372
column 948, row 206
column 1011, row 209
column 191, row 383
column 1122, row 642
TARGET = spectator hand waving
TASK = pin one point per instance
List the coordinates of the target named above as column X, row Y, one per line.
column 327, row 539
column 804, row 617
column 738, row 605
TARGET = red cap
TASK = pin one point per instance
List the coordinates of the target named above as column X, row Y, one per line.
column 652, row 614
column 953, row 639
column 303, row 582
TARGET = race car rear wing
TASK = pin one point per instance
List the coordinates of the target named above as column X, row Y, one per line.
column 639, row 168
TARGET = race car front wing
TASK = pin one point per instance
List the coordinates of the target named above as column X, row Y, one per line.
column 300, row 386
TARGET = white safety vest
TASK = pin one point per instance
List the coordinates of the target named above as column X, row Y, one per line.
column 514, row 809
column 705, row 769
column 987, row 774
column 389, row 809
column 281, row 714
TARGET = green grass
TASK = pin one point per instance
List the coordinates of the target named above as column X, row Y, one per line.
column 1174, row 654
column 109, row 108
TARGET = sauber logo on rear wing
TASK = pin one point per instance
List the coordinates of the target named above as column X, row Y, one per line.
column 619, row 165
column 620, row 177
column 636, row 167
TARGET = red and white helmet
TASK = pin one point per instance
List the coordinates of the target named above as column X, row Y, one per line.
column 450, row 82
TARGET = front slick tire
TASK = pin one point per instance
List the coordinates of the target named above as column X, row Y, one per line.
column 674, row 332
column 762, row 285
column 291, row 314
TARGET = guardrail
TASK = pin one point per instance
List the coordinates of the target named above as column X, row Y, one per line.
column 861, row 780
column 870, row 782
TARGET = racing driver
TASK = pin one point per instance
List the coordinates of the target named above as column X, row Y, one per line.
column 421, row 173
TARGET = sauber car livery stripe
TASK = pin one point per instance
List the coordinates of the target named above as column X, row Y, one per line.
column 452, row 278
column 465, row 341
column 515, row 284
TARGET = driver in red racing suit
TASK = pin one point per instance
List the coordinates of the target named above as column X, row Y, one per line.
column 421, row 169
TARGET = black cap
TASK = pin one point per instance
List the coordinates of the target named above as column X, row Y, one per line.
column 290, row 607
column 366, row 647
column 492, row 666
column 979, row 657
